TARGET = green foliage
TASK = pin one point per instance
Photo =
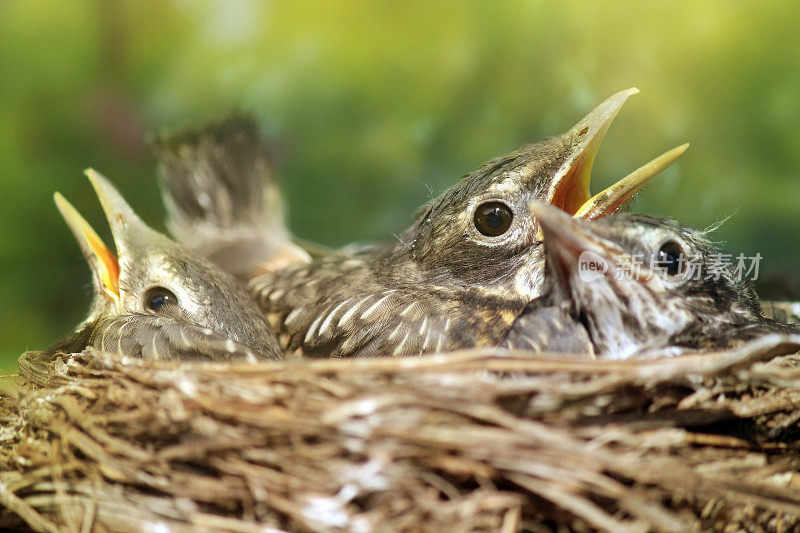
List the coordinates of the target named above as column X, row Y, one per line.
column 373, row 104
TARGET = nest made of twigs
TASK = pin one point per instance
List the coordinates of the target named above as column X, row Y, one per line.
column 489, row 440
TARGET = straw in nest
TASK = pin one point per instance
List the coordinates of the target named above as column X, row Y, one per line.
column 470, row 441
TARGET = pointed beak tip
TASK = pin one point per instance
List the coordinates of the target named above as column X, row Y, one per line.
column 63, row 206
column 614, row 102
column 116, row 208
column 105, row 191
column 68, row 211
column 98, row 181
column 599, row 119
column 546, row 214
column 536, row 207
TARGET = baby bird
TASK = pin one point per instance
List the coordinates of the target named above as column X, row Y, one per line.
column 633, row 285
column 155, row 300
column 458, row 277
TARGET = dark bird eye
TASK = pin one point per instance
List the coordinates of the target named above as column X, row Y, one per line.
column 671, row 258
column 493, row 218
column 158, row 297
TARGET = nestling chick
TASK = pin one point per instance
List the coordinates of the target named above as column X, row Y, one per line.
column 157, row 301
column 633, row 285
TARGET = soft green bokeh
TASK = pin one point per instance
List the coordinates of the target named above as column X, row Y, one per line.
column 373, row 105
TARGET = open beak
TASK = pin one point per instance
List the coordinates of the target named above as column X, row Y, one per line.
column 570, row 189
column 127, row 230
column 102, row 261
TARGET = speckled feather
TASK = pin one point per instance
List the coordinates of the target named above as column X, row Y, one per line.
column 157, row 337
column 549, row 325
column 366, row 317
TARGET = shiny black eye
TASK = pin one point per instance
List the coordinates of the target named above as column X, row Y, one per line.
column 159, row 297
column 671, row 258
column 493, row 218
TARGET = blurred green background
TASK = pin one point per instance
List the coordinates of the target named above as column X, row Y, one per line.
column 372, row 105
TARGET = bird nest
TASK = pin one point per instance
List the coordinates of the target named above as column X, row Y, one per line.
column 471, row 441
